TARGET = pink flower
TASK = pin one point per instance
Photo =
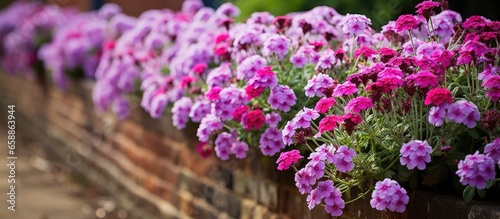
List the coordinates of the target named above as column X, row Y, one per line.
column 253, row 92
column 358, row 104
column 345, row 89
column 415, row 153
column 364, row 51
column 425, row 8
column 187, row 80
column 406, row 22
column 199, row 68
column 253, row 120
column 324, row 104
column 350, row 122
column 329, row 123
column 471, row 51
column 438, row 96
column 492, row 85
column 387, row 54
column 239, row 112
column 388, row 194
column 288, row 158
column 476, row 170
column 213, row 93
column 263, row 79
column 424, row 79
column 204, row 149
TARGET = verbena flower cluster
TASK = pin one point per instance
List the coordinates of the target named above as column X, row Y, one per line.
column 346, row 107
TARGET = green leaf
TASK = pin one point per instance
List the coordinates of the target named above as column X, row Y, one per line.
column 481, row 192
column 473, row 133
column 414, row 181
column 490, row 183
column 435, row 175
column 469, row 193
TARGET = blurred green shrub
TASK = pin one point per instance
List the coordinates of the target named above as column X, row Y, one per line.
column 380, row 11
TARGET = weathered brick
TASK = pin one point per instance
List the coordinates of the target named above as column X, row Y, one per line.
column 268, row 195
column 441, row 205
column 484, row 211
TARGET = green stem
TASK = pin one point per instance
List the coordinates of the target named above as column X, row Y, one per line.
column 412, row 44
column 359, row 196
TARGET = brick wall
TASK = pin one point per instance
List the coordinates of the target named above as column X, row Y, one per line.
column 153, row 170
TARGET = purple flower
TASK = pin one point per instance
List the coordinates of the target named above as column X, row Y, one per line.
column 249, row 67
column 180, row 112
column 200, row 109
column 325, row 153
column 317, row 84
column 219, row 76
column 471, row 51
column 263, row 79
column 299, row 60
column 276, row 45
column 272, row 119
column 317, row 168
column 282, row 98
column 343, row 159
column 437, row 115
column 355, row 24
column 288, row 132
column 271, row 141
column 334, row 203
column 208, row 125
column 415, row 153
column 303, row 118
column 493, row 150
column 304, row 179
column 388, row 194
column 464, row 112
column 158, row 104
column 327, row 60
column 239, row 149
column 121, row 108
column 324, row 189
column 288, row 158
column 223, row 144
column 229, row 99
column 476, row 170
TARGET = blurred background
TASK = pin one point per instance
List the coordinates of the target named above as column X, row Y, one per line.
column 379, row 11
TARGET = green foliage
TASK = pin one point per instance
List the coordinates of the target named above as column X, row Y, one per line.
column 379, row 11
